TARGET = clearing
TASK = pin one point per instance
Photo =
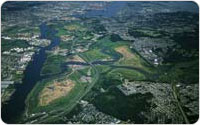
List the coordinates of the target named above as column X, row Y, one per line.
column 55, row 91
column 128, row 58
column 75, row 58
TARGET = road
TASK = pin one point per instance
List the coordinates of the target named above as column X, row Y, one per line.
column 179, row 103
column 64, row 110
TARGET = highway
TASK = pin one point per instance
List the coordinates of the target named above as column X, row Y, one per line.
column 50, row 116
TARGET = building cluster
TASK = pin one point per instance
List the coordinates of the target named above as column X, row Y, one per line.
column 90, row 114
column 5, row 84
column 40, row 42
column 15, row 60
column 147, row 47
column 65, row 38
column 25, row 58
column 162, row 100
column 18, row 50
column 34, row 39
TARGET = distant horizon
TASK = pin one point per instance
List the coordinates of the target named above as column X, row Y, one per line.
column 100, row 62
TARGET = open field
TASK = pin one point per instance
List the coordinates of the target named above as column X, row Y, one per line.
column 74, row 27
column 96, row 54
column 55, row 91
column 127, row 74
column 52, row 65
column 128, row 58
column 75, row 58
column 100, row 62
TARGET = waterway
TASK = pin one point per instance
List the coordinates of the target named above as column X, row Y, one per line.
column 14, row 108
column 110, row 11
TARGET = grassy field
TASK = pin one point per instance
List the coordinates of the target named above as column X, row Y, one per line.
column 75, row 27
column 11, row 31
column 102, row 90
column 68, row 100
column 63, row 104
column 68, row 28
column 33, row 98
column 103, row 68
column 54, row 91
column 130, row 58
column 52, row 65
column 106, row 42
column 95, row 54
column 127, row 73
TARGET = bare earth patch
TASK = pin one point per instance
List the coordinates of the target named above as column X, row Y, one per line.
column 124, row 51
column 128, row 58
column 74, row 27
column 76, row 58
column 55, row 91
column 66, row 38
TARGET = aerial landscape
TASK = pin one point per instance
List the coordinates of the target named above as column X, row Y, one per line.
column 99, row 62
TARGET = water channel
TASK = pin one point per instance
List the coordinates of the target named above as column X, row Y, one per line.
column 14, row 108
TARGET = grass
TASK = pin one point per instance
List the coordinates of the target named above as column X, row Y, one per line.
column 107, row 43
column 52, row 65
column 84, row 71
column 18, row 77
column 63, row 104
column 65, row 45
column 123, row 107
column 30, row 30
column 126, row 73
column 69, row 29
column 130, row 58
column 186, row 72
column 95, row 54
column 102, row 68
column 50, row 69
column 33, row 98
column 59, row 103
column 55, row 91
column 74, row 27
column 145, row 33
column 62, row 31
column 6, row 45
column 11, row 31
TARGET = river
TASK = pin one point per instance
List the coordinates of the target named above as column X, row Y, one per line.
column 14, row 108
